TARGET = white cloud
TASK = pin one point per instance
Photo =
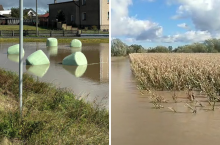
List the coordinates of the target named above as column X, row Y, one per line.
column 189, row 36
column 184, row 26
column 203, row 13
column 124, row 25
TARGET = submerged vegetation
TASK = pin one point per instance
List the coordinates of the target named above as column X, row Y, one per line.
column 178, row 72
column 50, row 115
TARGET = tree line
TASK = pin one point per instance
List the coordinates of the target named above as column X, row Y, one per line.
column 208, row 46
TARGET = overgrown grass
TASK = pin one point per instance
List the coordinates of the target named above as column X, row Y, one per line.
column 16, row 27
column 50, row 115
column 60, row 40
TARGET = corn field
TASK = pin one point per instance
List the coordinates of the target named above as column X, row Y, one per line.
column 178, row 72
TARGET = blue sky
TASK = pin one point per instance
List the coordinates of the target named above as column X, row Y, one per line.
column 164, row 22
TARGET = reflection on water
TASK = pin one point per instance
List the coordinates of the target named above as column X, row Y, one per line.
column 38, row 70
column 52, row 50
column 134, row 121
column 77, row 71
column 75, row 49
column 83, row 80
column 14, row 57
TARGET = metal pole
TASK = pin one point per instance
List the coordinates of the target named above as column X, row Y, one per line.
column 20, row 54
column 36, row 20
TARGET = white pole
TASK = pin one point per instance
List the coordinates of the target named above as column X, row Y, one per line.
column 36, row 20
column 20, row 54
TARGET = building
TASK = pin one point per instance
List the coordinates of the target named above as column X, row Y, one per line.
column 44, row 19
column 82, row 13
column 5, row 12
column 1, row 8
column 30, row 12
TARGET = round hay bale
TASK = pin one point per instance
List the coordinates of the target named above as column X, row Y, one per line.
column 37, row 58
column 77, row 58
column 14, row 49
column 52, row 42
column 14, row 57
column 76, row 43
column 38, row 70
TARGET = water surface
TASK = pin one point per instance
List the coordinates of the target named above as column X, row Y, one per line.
column 91, row 79
column 135, row 122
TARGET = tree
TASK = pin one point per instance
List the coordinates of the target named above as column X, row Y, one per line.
column 61, row 16
column 15, row 12
column 170, row 48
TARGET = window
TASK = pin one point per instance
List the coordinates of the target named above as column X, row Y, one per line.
column 72, row 18
column 83, row 16
column 83, row 2
column 108, row 15
column 108, row 1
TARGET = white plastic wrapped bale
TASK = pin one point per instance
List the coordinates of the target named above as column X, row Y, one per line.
column 38, row 70
column 14, row 49
column 76, row 59
column 77, row 71
column 76, row 43
column 14, row 57
column 52, row 42
column 37, row 58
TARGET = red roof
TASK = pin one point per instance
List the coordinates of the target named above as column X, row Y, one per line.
column 45, row 15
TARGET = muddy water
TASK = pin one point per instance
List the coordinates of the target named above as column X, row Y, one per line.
column 91, row 79
column 135, row 122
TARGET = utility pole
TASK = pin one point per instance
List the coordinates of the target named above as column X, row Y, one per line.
column 20, row 54
column 36, row 20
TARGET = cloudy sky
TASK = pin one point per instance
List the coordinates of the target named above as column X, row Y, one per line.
column 42, row 4
column 165, row 22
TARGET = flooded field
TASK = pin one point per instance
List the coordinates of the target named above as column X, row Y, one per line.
column 136, row 121
column 90, row 81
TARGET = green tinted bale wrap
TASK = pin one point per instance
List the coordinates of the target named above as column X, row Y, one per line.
column 76, row 43
column 14, row 49
column 80, row 70
column 37, row 58
column 52, row 42
column 77, row 58
column 38, row 70
column 14, row 57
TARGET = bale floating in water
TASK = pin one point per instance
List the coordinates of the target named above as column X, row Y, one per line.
column 38, row 70
column 14, row 57
column 37, row 58
column 53, row 50
column 76, row 43
column 77, row 58
column 14, row 49
column 77, row 71
column 52, row 42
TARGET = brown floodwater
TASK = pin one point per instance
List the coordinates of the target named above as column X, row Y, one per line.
column 134, row 121
column 89, row 81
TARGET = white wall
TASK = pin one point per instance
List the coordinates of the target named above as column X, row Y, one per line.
column 5, row 12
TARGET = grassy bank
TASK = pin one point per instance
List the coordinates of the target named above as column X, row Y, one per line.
column 50, row 115
column 16, row 27
column 60, row 40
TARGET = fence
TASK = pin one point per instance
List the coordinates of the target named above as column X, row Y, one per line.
column 50, row 33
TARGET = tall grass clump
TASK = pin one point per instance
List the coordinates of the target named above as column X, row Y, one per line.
column 50, row 115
